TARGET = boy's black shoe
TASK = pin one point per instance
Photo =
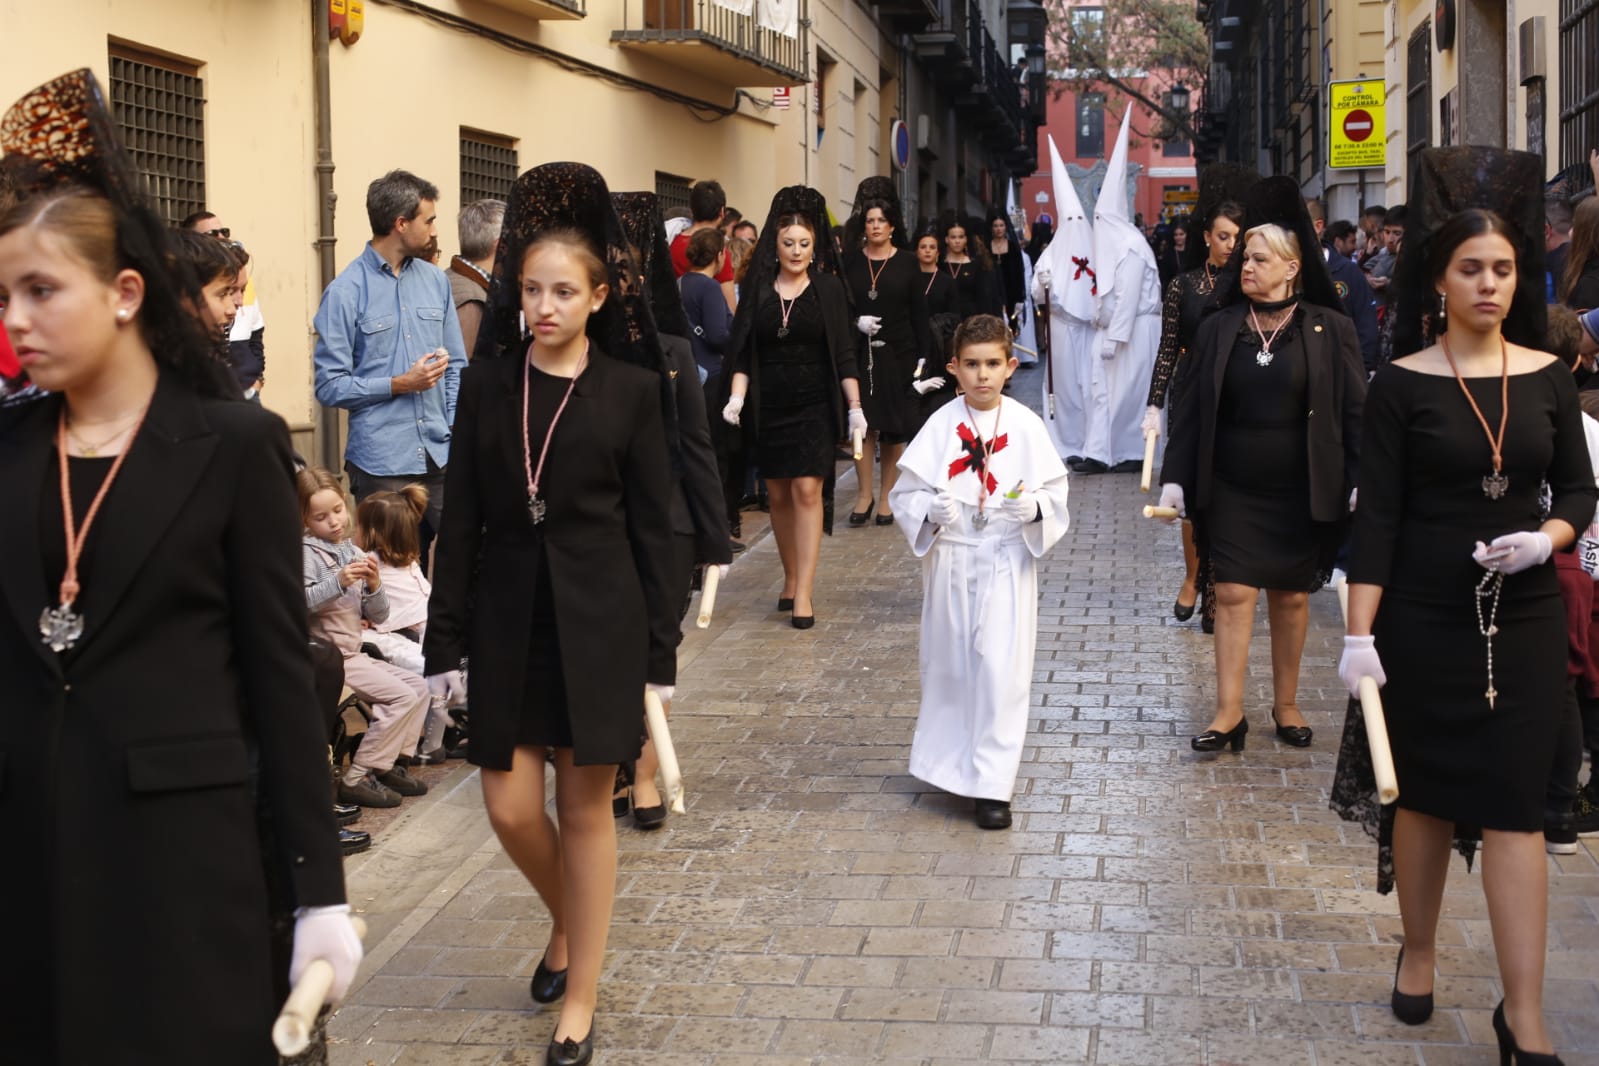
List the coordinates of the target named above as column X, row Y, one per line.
column 347, row 812
column 354, row 841
column 993, row 814
column 402, row 782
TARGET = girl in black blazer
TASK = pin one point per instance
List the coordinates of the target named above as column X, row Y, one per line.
column 157, row 685
column 1264, row 448
column 554, row 572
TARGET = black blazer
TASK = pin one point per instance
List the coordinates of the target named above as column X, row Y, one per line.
column 130, row 764
column 1337, row 393
column 697, row 507
column 835, row 300
column 608, row 533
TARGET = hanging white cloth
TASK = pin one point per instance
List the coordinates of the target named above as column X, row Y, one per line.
column 781, row 16
column 738, row 7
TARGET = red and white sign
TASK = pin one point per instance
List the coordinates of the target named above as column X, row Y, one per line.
column 1358, row 125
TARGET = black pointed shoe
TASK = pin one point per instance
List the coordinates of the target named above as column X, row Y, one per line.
column 1182, row 611
column 1298, row 736
column 571, row 1052
column 1510, row 1053
column 1215, row 739
column 547, row 985
column 992, row 814
column 1412, row 1010
column 785, row 603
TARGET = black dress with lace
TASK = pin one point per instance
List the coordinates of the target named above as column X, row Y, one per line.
column 1422, row 508
column 1189, row 298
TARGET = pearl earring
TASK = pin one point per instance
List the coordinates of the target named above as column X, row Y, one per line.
column 122, row 315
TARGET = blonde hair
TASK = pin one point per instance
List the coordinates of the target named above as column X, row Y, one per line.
column 312, row 480
column 388, row 524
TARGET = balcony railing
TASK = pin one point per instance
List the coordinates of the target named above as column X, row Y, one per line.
column 996, row 80
column 716, row 42
column 545, row 9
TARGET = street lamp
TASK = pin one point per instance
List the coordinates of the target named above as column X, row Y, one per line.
column 1035, row 60
column 1179, row 98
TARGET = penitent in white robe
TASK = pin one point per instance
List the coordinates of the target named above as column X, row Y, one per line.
column 979, row 591
column 1126, row 360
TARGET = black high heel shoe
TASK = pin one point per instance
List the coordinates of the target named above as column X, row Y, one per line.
column 547, row 985
column 1510, row 1054
column 802, row 621
column 1182, row 611
column 860, row 518
column 1412, row 1010
column 785, row 603
column 884, row 519
column 1215, row 739
column 1298, row 736
column 571, row 1052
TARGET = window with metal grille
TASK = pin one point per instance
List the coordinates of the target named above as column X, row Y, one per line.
column 1579, row 80
column 1418, row 96
column 1090, row 124
column 488, row 166
column 671, row 190
column 159, row 107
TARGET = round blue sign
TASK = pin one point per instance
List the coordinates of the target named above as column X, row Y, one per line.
column 899, row 137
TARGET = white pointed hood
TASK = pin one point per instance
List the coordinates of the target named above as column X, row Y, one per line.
column 1071, row 251
column 1115, row 236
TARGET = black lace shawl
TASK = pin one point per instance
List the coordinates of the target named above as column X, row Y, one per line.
column 877, row 188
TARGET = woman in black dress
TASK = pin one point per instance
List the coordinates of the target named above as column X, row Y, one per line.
column 1265, row 446
column 1006, row 253
column 555, row 566
column 937, row 289
column 166, row 798
column 794, row 362
column 1190, row 297
column 891, row 311
column 971, row 271
column 1452, row 542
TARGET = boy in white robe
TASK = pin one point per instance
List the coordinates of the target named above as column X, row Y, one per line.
column 981, row 496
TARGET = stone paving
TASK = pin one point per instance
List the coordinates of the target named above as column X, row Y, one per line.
column 818, row 905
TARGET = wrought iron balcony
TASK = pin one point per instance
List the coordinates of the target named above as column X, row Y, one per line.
column 544, row 9
column 716, row 42
column 944, row 47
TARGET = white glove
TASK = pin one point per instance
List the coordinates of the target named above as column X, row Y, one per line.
column 927, row 385
column 1353, row 493
column 1041, row 279
column 857, row 420
column 326, row 933
column 1514, row 552
column 448, row 686
column 1171, row 495
column 1360, row 660
column 663, row 691
column 869, row 324
column 1110, row 350
column 944, row 511
column 1022, row 508
column 1151, row 426
column 1016, row 312
column 722, row 570
column 735, row 404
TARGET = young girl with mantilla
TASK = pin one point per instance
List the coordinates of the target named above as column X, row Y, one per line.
column 555, row 564
column 981, row 497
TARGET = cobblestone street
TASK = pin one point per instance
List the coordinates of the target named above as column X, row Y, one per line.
column 816, row 904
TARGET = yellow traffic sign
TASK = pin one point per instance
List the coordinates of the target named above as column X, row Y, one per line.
column 1356, row 131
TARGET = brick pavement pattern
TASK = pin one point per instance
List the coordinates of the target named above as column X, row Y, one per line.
column 818, row 905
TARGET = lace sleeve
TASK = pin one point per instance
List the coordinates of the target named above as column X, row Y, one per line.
column 1166, row 357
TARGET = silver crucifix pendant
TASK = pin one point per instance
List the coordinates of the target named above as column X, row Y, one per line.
column 536, row 509
column 979, row 520
column 60, row 627
column 1264, row 357
column 871, row 294
column 1495, row 485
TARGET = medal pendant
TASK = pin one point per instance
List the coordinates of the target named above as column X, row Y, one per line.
column 1264, row 357
column 871, row 294
column 782, row 331
column 979, row 520
column 536, row 509
column 60, row 627
column 1495, row 485
column 1492, row 693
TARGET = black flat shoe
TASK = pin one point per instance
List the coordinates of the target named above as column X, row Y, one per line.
column 1215, row 739
column 650, row 817
column 860, row 518
column 802, row 621
column 547, row 985
column 346, row 813
column 992, row 814
column 354, row 841
column 785, row 603
column 1298, row 736
column 1412, row 1010
column 885, row 519
column 1510, row 1053
column 571, row 1052
column 1182, row 611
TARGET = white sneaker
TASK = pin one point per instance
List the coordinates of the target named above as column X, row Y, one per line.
column 1337, row 576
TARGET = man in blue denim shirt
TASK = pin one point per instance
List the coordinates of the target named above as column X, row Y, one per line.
column 389, row 349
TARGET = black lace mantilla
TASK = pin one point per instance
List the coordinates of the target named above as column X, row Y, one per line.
column 1354, row 799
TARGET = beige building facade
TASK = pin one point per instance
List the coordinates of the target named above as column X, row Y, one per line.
column 655, row 94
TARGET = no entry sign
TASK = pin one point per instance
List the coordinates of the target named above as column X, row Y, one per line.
column 1356, row 134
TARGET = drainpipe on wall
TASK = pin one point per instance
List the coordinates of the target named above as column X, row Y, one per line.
column 328, row 421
